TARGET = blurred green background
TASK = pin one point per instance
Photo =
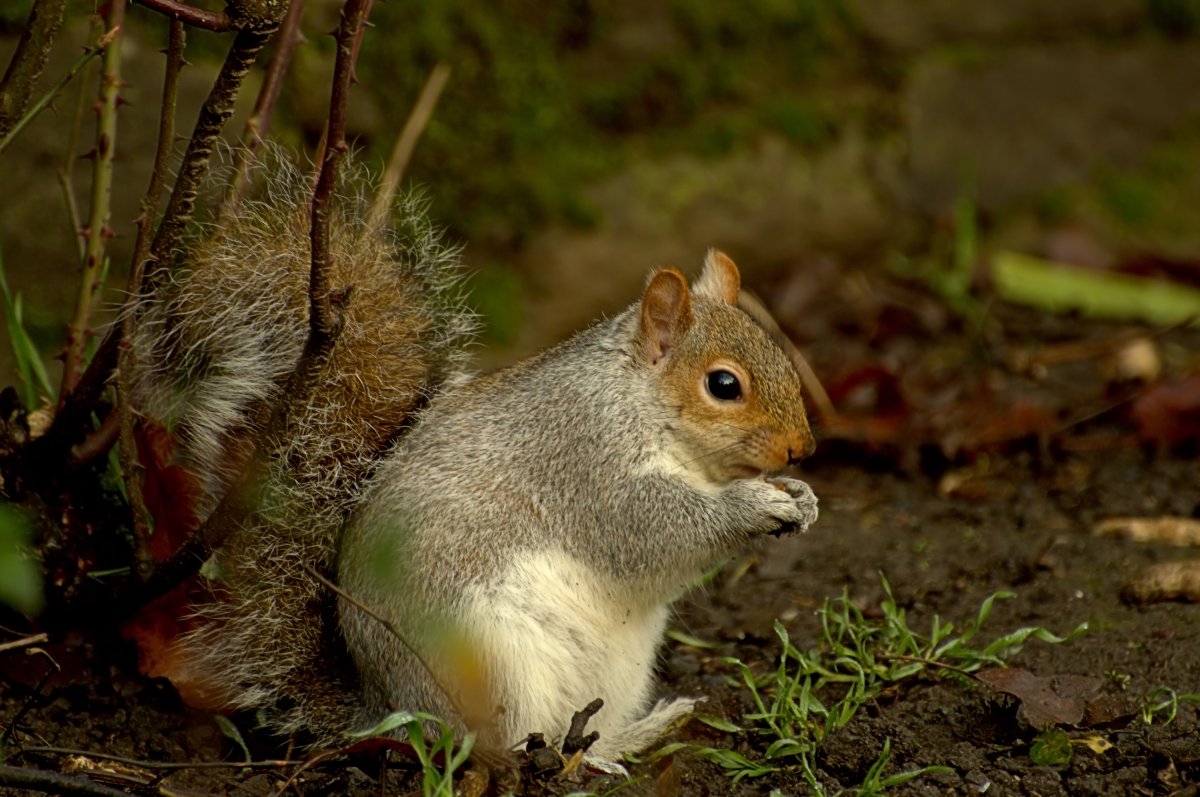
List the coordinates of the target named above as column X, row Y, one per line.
column 579, row 144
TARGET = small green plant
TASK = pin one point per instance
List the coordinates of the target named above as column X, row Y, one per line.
column 1164, row 702
column 810, row 694
column 1051, row 748
column 231, row 732
column 439, row 758
column 35, row 382
column 948, row 270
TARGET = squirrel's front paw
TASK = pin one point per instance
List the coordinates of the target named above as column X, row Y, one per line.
column 803, row 504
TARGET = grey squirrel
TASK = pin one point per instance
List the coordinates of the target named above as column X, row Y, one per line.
column 525, row 530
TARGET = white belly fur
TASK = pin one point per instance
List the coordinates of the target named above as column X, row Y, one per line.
column 552, row 637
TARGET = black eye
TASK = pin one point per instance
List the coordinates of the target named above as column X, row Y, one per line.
column 724, row 386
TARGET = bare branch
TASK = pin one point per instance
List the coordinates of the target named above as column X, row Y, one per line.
column 194, row 168
column 28, row 60
column 217, row 21
column 98, row 231
column 53, row 782
column 323, row 325
column 260, row 118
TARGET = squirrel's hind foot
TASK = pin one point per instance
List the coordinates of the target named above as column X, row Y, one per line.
column 638, row 735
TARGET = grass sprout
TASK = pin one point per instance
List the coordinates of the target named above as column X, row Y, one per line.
column 439, row 757
column 810, row 694
column 1164, row 702
column 35, row 382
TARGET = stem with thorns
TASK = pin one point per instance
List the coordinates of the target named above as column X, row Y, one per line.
column 28, row 60
column 130, row 467
column 66, row 172
column 260, row 118
column 98, row 231
column 194, row 168
column 239, row 501
column 102, row 46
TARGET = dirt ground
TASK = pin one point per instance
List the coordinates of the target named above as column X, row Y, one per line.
column 949, row 508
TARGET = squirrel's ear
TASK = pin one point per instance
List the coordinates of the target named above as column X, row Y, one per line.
column 666, row 314
column 720, row 279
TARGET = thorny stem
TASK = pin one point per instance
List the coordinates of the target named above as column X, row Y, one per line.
column 67, row 170
column 238, row 501
column 130, row 467
column 260, row 118
column 192, row 170
column 418, row 118
column 217, row 21
column 28, row 60
column 98, row 231
column 102, row 46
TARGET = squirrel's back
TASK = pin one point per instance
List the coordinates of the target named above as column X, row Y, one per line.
column 218, row 342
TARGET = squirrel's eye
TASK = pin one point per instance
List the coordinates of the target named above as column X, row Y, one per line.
column 724, row 386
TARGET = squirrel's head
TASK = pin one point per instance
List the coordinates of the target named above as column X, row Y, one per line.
column 736, row 394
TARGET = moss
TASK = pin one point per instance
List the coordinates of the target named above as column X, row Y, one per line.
column 545, row 99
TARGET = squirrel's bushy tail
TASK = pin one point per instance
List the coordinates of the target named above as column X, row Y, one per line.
column 217, row 341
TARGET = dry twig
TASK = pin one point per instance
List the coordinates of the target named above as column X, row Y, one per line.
column 418, row 118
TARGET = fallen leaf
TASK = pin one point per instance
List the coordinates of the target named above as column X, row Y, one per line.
column 1059, row 288
column 1166, row 581
column 1168, row 413
column 171, row 492
column 1094, row 742
column 1057, row 700
column 1169, row 529
column 669, row 781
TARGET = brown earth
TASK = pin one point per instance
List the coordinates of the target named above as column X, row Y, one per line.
column 947, row 523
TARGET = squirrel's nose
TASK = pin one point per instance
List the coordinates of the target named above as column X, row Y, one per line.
column 806, row 446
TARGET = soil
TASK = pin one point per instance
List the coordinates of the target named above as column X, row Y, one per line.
column 947, row 525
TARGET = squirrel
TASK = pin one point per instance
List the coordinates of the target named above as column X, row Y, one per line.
column 524, row 531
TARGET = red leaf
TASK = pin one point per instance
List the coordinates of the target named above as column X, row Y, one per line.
column 1168, row 413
